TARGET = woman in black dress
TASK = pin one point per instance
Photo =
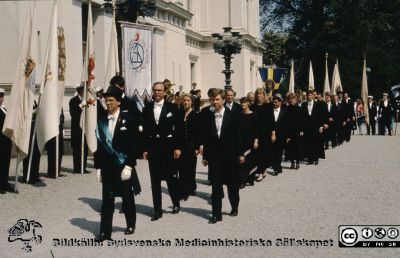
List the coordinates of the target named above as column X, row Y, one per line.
column 188, row 159
column 262, row 108
column 294, row 150
column 248, row 126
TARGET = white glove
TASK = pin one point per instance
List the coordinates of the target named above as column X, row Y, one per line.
column 83, row 103
column 98, row 173
column 126, row 173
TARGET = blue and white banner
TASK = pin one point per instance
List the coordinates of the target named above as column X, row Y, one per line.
column 136, row 56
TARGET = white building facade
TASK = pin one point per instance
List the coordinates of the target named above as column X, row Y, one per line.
column 182, row 42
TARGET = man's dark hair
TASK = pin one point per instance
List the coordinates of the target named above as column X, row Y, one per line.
column 217, row 92
column 117, row 80
column 210, row 92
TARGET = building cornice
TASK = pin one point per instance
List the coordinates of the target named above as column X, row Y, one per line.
column 173, row 9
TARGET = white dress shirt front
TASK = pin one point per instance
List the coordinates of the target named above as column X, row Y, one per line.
column 310, row 107
column 218, row 120
column 157, row 109
column 276, row 113
column 112, row 121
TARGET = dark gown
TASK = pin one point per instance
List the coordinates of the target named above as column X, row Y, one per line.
column 294, row 148
column 248, row 126
column 188, row 160
column 262, row 111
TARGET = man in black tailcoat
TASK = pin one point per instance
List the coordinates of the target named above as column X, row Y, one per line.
column 115, row 161
column 372, row 111
column 350, row 114
column 76, row 104
column 163, row 139
column 313, row 128
column 278, row 120
column 221, row 154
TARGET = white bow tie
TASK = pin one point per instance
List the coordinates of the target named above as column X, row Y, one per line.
column 158, row 104
column 218, row 115
column 111, row 117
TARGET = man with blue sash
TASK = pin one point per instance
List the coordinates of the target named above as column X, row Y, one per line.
column 115, row 161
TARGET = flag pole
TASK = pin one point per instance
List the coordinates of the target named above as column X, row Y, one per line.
column 57, row 150
column 83, row 131
column 31, row 152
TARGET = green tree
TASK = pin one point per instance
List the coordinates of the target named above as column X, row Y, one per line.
column 346, row 29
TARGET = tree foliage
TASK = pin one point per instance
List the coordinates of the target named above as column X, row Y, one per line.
column 346, row 29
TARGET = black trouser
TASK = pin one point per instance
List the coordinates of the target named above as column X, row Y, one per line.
column 51, row 155
column 294, row 149
column 217, row 191
column 312, row 141
column 385, row 123
column 5, row 150
column 187, row 169
column 347, row 131
column 77, row 152
column 107, row 207
column 371, row 128
column 34, row 173
column 276, row 154
column 161, row 166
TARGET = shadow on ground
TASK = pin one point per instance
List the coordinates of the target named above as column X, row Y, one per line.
column 95, row 204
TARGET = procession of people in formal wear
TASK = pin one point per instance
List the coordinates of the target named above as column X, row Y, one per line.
column 239, row 143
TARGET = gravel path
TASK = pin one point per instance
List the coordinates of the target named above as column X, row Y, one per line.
column 357, row 184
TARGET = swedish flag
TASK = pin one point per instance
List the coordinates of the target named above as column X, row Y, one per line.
column 272, row 73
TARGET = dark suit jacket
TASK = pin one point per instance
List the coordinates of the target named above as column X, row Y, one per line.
column 372, row 111
column 168, row 129
column 385, row 112
column 222, row 152
column 129, row 107
column 125, row 140
column 279, row 126
column 236, row 108
column 204, row 115
column 225, row 147
column 316, row 120
column 75, row 112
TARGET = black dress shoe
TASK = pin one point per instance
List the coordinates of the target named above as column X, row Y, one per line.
column 316, row 162
column 2, row 191
column 275, row 173
column 193, row 193
column 279, row 170
column 292, row 166
column 297, row 165
column 176, row 209
column 129, row 231
column 8, row 188
column 156, row 216
column 33, row 181
column 214, row 220
column 104, row 237
column 233, row 213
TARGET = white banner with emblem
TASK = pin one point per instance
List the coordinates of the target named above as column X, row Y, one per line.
column 137, row 51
